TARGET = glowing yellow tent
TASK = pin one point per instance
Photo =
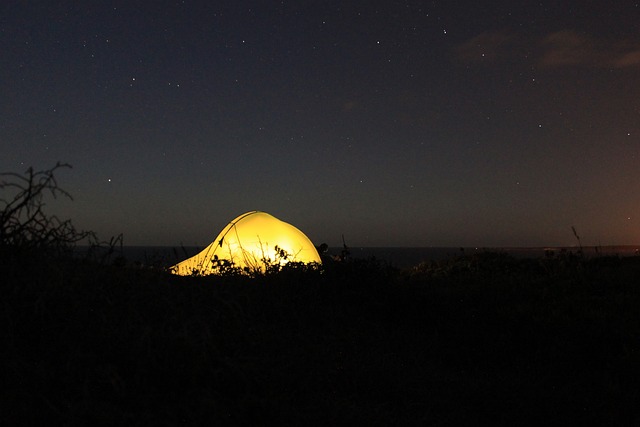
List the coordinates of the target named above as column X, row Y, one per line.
column 247, row 241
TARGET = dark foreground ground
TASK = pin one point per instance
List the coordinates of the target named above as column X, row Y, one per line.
column 486, row 339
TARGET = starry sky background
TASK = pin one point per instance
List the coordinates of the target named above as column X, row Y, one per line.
column 395, row 123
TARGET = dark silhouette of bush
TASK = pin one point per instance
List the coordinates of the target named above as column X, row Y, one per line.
column 24, row 224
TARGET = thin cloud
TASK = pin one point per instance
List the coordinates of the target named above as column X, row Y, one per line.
column 566, row 47
column 570, row 48
column 560, row 49
column 630, row 59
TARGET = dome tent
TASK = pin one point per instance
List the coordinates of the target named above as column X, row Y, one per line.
column 247, row 241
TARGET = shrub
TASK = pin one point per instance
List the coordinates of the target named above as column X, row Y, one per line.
column 24, row 224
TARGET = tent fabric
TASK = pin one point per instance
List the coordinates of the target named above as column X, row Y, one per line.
column 247, row 241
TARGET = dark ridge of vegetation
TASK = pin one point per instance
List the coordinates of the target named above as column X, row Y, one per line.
column 495, row 340
column 474, row 340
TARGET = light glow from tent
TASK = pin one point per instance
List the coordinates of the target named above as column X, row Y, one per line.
column 250, row 240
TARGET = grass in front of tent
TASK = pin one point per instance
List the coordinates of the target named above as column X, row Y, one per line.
column 484, row 338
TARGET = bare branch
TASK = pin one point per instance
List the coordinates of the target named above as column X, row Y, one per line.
column 23, row 222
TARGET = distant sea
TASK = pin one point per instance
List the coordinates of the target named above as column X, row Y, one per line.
column 397, row 256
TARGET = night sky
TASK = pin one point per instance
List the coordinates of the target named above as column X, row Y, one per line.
column 395, row 123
